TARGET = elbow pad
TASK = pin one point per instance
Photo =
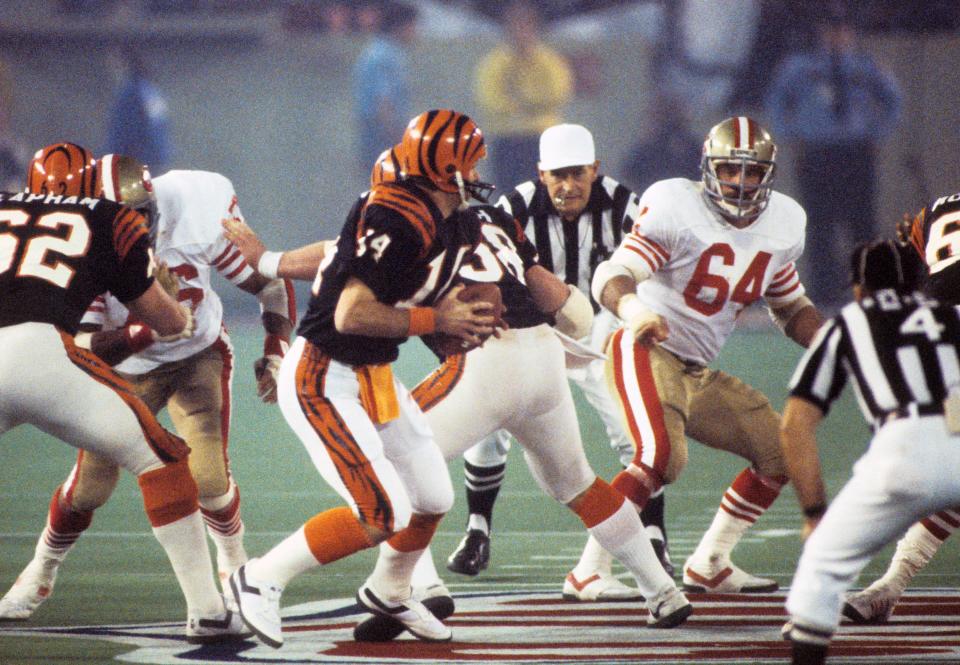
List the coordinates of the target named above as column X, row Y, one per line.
column 575, row 317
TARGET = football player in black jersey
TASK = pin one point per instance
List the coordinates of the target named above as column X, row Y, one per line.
column 389, row 277
column 60, row 247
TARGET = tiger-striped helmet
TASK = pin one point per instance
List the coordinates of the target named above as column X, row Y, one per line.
column 387, row 167
column 65, row 169
column 442, row 147
column 126, row 180
column 740, row 141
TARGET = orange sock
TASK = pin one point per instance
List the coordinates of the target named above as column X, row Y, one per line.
column 169, row 493
column 334, row 534
column 598, row 503
column 417, row 535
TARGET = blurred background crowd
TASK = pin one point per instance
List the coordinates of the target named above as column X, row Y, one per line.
column 293, row 99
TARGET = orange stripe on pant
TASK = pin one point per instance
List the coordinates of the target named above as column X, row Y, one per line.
column 438, row 384
column 168, row 446
column 353, row 467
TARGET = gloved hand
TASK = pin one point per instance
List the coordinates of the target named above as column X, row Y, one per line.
column 267, row 368
column 646, row 326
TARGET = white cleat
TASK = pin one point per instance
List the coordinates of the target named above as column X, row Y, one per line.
column 601, row 587
column 668, row 609
column 33, row 586
column 259, row 603
column 872, row 605
column 415, row 617
column 220, row 628
column 718, row 575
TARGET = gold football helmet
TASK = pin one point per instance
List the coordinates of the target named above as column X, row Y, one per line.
column 126, row 180
column 742, row 142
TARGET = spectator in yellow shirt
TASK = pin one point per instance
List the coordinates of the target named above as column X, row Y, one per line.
column 522, row 86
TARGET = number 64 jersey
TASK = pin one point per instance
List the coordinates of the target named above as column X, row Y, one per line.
column 704, row 271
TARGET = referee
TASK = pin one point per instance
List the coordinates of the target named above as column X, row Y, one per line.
column 902, row 352
column 575, row 217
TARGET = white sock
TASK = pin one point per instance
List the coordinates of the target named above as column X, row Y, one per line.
column 288, row 558
column 225, row 530
column 183, row 540
column 477, row 522
column 723, row 535
column 392, row 573
column 622, row 534
column 913, row 552
column 425, row 572
column 594, row 559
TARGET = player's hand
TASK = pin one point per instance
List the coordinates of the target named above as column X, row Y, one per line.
column 470, row 321
column 809, row 524
column 188, row 329
column 168, row 280
column 240, row 234
column 266, row 370
column 644, row 325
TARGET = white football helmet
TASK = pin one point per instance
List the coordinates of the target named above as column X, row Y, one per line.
column 743, row 142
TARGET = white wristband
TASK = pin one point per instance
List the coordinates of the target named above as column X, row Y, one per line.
column 629, row 307
column 269, row 264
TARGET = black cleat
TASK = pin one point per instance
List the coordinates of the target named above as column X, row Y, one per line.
column 472, row 555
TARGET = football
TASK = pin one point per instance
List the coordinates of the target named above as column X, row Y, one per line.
column 445, row 345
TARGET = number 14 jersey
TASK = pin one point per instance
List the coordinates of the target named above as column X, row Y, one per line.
column 704, row 271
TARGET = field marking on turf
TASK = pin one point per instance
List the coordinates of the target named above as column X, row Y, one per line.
column 528, row 627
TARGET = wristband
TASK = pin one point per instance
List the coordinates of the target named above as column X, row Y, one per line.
column 815, row 511
column 629, row 306
column 269, row 264
column 138, row 337
column 423, row 320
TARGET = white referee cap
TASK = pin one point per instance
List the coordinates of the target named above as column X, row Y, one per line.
column 566, row 145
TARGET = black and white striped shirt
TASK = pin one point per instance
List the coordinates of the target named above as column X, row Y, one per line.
column 572, row 250
column 901, row 352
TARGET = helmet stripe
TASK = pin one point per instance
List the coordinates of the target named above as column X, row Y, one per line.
column 109, row 165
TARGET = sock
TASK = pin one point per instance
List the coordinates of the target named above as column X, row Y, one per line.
column 183, row 539
column 652, row 516
column 221, row 514
column 744, row 501
column 62, row 530
column 622, row 535
column 399, row 555
column 326, row 537
column 483, row 485
column 425, row 573
column 594, row 560
column 913, row 552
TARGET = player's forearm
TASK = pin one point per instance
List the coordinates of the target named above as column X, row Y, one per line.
column 801, row 456
column 159, row 311
column 302, row 263
column 804, row 325
column 358, row 312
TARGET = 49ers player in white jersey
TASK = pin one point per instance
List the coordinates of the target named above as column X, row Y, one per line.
column 699, row 254
column 190, row 377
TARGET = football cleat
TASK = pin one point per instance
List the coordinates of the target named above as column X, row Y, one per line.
column 259, row 603
column 412, row 614
column 33, row 586
column 668, row 609
column 718, row 575
column 601, row 587
column 472, row 555
column 663, row 556
column 872, row 605
column 382, row 628
column 221, row 628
